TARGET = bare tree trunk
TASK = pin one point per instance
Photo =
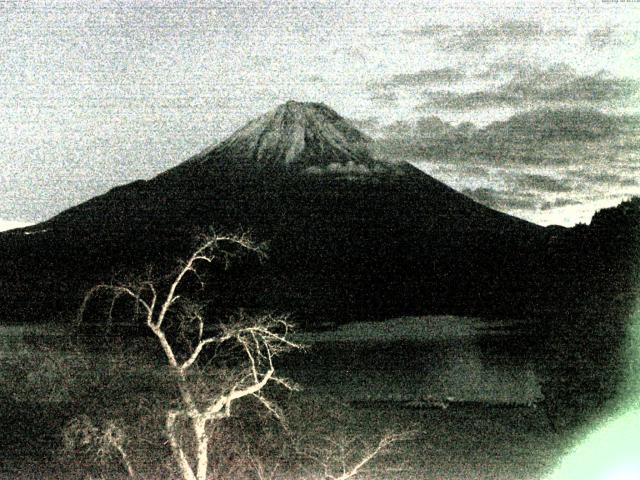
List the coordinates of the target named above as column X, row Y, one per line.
column 202, row 447
column 178, row 454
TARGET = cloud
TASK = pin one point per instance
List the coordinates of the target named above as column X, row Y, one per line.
column 538, row 137
column 473, row 38
column 522, row 70
column 547, row 166
column 425, row 138
column 536, row 181
column 315, row 79
column 430, row 30
column 425, row 77
column 601, row 37
column 556, row 85
column 455, row 101
column 505, row 32
column 368, row 124
column 611, row 179
column 611, row 37
column 588, row 88
column 385, row 90
column 501, row 200
column 545, row 125
column 384, row 96
column 558, row 202
column 497, row 70
column 349, row 169
column 350, row 53
column 550, row 195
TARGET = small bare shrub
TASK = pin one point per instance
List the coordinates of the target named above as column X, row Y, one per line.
column 102, row 442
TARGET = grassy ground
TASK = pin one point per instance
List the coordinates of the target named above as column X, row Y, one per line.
column 462, row 442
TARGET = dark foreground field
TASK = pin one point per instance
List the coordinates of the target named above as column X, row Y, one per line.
column 465, row 442
column 472, row 405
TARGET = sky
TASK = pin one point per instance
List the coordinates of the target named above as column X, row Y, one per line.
column 529, row 107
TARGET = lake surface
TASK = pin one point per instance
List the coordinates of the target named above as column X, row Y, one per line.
column 415, row 358
column 404, row 360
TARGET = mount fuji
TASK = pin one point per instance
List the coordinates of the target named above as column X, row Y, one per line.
column 350, row 235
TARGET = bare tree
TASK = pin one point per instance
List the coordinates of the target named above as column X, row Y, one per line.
column 259, row 338
column 207, row 395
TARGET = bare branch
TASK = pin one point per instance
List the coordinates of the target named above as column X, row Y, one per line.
column 275, row 411
column 384, row 443
column 278, row 338
column 286, row 383
column 117, row 291
column 251, row 389
column 247, row 350
column 207, row 252
column 196, row 352
column 225, row 401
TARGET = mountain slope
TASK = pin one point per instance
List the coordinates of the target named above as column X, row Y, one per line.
column 295, row 136
column 350, row 235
